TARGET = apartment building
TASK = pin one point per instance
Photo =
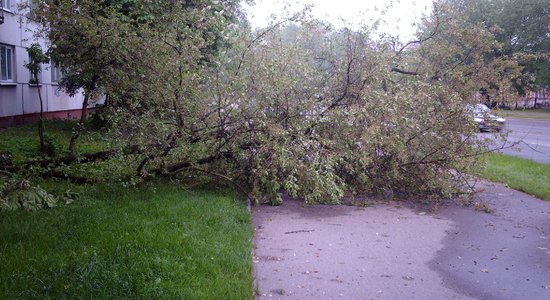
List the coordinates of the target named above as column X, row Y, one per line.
column 19, row 101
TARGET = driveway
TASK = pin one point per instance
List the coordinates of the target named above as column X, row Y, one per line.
column 397, row 251
column 532, row 137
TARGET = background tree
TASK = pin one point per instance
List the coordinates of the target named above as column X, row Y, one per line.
column 523, row 28
column 36, row 59
column 87, row 43
column 97, row 43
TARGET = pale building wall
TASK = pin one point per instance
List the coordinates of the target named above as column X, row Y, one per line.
column 18, row 97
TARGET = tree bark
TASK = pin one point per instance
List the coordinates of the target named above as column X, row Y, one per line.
column 76, row 133
column 82, row 159
column 397, row 70
column 41, row 127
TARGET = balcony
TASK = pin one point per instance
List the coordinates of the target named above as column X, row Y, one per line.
column 1, row 11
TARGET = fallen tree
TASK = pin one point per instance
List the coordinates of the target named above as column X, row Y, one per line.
column 298, row 107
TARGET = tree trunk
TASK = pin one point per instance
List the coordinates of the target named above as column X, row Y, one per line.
column 41, row 127
column 76, row 133
column 107, row 100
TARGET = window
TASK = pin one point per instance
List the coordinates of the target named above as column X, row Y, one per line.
column 6, row 63
column 56, row 72
column 32, row 9
column 6, row 4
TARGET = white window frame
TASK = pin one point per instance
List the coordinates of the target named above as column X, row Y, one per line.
column 6, row 5
column 7, row 63
column 56, row 74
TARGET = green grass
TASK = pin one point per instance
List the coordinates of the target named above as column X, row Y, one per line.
column 151, row 242
column 526, row 114
column 520, row 174
column 22, row 141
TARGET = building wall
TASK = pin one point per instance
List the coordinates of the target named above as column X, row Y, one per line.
column 538, row 99
column 18, row 97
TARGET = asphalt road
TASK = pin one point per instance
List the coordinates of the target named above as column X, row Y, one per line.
column 501, row 255
column 397, row 251
column 530, row 137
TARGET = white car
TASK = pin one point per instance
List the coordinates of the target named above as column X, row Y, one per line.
column 485, row 119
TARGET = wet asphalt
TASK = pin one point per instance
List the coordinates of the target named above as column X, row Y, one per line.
column 399, row 251
column 502, row 255
column 530, row 137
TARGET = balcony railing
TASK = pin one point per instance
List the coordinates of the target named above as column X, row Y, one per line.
column 1, row 11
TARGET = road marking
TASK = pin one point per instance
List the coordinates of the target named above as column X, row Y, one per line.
column 530, row 143
column 538, row 144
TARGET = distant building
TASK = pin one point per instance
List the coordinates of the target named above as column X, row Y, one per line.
column 19, row 102
column 538, row 99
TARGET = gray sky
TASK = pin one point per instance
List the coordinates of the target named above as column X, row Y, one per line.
column 399, row 18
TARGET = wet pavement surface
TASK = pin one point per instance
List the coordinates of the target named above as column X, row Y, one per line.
column 531, row 138
column 398, row 251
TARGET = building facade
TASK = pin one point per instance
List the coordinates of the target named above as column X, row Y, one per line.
column 538, row 99
column 19, row 101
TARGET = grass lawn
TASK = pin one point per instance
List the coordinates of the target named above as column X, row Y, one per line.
column 147, row 243
column 22, row 141
column 520, row 174
column 526, row 114
column 153, row 241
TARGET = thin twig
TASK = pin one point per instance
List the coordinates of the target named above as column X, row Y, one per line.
column 240, row 188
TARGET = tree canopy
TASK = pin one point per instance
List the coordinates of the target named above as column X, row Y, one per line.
column 299, row 107
column 523, row 28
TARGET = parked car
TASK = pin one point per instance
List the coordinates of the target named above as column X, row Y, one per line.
column 485, row 119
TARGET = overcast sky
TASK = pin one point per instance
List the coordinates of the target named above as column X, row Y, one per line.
column 399, row 18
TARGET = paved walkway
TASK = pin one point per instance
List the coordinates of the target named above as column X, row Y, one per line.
column 387, row 251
